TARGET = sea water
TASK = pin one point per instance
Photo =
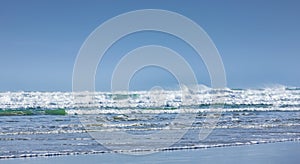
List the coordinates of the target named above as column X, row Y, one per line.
column 50, row 123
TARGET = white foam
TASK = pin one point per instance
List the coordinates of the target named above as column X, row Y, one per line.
column 279, row 98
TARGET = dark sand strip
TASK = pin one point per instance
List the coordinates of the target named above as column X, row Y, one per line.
column 284, row 152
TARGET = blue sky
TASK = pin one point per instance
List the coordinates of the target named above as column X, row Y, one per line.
column 259, row 42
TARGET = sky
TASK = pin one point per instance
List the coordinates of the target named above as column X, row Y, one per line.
column 259, row 42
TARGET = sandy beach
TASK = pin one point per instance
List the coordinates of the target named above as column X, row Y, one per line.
column 283, row 152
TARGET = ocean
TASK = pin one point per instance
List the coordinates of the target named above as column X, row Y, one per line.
column 34, row 124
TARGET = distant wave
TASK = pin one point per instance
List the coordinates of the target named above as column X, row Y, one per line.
column 26, row 112
column 193, row 99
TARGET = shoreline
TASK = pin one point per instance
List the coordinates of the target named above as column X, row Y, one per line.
column 278, row 152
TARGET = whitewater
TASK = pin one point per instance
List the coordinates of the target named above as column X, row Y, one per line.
column 50, row 123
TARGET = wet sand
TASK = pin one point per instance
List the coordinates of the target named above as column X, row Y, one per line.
column 283, row 152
